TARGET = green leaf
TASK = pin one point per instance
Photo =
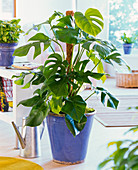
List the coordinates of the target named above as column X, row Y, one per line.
column 133, row 162
column 54, row 16
column 56, row 104
column 68, row 35
column 30, row 102
column 81, row 65
column 86, row 45
column 39, row 37
column 19, row 81
column 97, row 76
column 26, row 86
column 71, row 126
column 119, row 157
column 91, row 23
column 113, row 102
column 22, row 51
column 37, row 49
column 104, row 163
column 66, row 20
column 37, row 114
column 103, row 95
column 40, row 79
column 80, row 125
column 100, row 69
column 101, row 49
column 134, row 129
column 58, row 85
column 115, row 56
column 75, row 107
column 55, row 63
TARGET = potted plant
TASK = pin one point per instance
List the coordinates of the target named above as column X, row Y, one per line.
column 9, row 35
column 63, row 75
column 128, row 41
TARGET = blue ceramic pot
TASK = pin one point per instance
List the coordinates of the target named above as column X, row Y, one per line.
column 65, row 148
column 6, row 52
column 127, row 48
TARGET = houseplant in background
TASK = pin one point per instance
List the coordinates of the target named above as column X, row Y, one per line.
column 128, row 42
column 9, row 36
column 63, row 75
column 125, row 154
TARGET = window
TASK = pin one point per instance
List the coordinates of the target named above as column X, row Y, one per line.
column 123, row 17
column 7, row 9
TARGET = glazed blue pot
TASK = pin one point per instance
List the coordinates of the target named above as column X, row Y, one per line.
column 66, row 148
column 127, row 48
column 6, row 52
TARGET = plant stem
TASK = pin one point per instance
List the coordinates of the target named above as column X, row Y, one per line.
column 60, row 48
column 90, row 96
column 74, row 62
column 96, row 65
column 80, row 55
column 52, row 49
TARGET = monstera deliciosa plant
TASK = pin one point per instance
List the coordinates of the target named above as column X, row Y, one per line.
column 62, row 75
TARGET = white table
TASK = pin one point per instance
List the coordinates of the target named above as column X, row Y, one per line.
column 18, row 95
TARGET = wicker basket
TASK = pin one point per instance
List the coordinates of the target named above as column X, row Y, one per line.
column 127, row 79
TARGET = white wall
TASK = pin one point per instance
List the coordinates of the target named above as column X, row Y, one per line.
column 40, row 10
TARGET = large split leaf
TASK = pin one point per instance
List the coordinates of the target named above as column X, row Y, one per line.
column 75, row 107
column 91, row 22
column 58, row 85
column 111, row 100
column 38, row 38
column 52, row 65
column 68, row 35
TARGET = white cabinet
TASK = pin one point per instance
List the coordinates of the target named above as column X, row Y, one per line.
column 18, row 95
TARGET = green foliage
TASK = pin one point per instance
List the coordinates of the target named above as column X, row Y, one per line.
column 129, row 40
column 125, row 156
column 10, row 31
column 61, row 81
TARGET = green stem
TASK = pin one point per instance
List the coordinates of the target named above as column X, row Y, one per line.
column 90, row 96
column 81, row 53
column 52, row 49
column 76, row 55
column 52, row 31
column 60, row 48
column 96, row 65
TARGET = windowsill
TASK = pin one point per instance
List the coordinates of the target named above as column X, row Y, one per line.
column 134, row 52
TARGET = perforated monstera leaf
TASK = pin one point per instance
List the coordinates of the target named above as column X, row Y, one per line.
column 91, row 22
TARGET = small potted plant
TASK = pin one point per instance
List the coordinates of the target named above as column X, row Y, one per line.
column 9, row 36
column 63, row 75
column 128, row 41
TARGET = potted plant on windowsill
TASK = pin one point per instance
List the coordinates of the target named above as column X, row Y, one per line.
column 128, row 42
column 61, row 78
column 9, row 36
